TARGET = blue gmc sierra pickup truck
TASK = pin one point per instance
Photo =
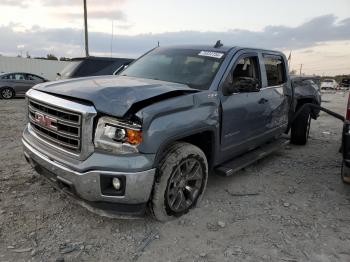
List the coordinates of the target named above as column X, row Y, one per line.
column 148, row 137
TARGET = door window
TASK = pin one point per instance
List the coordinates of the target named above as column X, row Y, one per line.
column 275, row 70
column 9, row 76
column 15, row 77
column 245, row 76
column 34, row 78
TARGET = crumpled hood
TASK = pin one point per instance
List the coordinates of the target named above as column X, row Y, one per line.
column 113, row 95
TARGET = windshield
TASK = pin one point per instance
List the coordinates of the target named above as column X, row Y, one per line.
column 328, row 81
column 194, row 68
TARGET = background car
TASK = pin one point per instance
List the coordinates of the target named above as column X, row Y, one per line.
column 345, row 148
column 92, row 66
column 329, row 84
column 345, row 83
column 17, row 84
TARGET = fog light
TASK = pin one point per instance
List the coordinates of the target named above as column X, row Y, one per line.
column 116, row 183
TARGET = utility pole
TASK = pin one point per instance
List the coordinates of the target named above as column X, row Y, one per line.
column 112, row 38
column 301, row 67
column 86, row 31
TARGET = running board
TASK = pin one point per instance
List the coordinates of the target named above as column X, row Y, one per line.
column 230, row 167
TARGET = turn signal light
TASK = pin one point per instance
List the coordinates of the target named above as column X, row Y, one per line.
column 134, row 137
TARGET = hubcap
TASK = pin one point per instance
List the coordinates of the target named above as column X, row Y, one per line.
column 6, row 93
column 185, row 185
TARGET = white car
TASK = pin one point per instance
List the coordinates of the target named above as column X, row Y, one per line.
column 329, row 84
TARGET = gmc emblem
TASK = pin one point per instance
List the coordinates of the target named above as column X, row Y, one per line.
column 45, row 121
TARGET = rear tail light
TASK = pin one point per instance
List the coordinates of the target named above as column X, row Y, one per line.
column 348, row 109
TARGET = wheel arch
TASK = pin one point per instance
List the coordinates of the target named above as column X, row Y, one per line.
column 304, row 100
column 197, row 138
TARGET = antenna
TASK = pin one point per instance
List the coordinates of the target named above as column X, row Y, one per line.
column 218, row 44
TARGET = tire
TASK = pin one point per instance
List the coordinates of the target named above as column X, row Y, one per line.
column 7, row 93
column 345, row 179
column 301, row 128
column 177, row 187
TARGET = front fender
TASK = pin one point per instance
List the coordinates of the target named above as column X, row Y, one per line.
column 176, row 118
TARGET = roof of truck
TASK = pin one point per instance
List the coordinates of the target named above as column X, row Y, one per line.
column 202, row 47
column 224, row 48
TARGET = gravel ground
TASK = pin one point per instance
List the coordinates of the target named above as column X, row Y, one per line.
column 290, row 206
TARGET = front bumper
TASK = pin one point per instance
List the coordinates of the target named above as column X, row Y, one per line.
column 86, row 189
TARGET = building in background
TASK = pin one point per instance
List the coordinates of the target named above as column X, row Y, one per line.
column 45, row 68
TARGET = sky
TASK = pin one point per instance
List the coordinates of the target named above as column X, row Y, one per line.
column 316, row 33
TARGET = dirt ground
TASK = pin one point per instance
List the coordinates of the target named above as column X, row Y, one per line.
column 291, row 206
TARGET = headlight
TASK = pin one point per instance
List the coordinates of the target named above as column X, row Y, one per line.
column 118, row 137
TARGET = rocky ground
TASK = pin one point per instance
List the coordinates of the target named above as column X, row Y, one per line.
column 291, row 206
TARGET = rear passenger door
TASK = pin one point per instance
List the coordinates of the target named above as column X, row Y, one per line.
column 275, row 85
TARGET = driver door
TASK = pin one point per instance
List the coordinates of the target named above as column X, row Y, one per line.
column 243, row 107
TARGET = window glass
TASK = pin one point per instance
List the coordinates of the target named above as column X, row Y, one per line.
column 35, row 78
column 275, row 70
column 18, row 77
column 194, row 68
column 9, row 76
column 245, row 76
column 68, row 70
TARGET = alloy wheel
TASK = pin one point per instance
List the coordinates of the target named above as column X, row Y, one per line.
column 7, row 93
column 185, row 185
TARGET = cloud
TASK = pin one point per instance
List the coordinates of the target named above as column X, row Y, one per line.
column 80, row 2
column 68, row 41
column 95, row 14
column 16, row 3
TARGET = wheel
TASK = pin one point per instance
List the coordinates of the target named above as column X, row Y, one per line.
column 180, row 181
column 345, row 179
column 301, row 128
column 7, row 93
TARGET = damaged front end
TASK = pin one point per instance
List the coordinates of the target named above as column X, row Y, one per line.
column 87, row 140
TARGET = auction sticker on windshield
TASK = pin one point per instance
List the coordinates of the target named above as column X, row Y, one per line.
column 211, row 54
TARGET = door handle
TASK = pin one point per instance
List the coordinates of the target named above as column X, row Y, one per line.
column 263, row 101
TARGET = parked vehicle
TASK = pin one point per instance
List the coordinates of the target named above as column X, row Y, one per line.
column 92, row 66
column 329, row 84
column 149, row 136
column 17, row 84
column 345, row 83
column 345, row 171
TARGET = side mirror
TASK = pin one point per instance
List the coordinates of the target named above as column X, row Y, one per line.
column 242, row 85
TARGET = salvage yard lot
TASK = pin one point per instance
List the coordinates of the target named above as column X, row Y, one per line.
column 291, row 206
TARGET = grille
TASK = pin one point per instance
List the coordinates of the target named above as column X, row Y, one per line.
column 58, row 126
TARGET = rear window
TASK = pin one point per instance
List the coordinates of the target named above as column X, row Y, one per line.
column 91, row 67
column 68, row 70
column 275, row 70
